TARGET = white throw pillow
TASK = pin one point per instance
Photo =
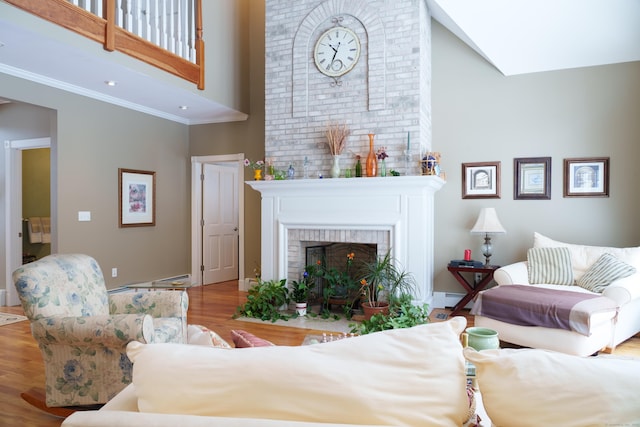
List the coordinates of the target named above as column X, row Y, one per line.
column 530, row 387
column 606, row 270
column 402, row 377
column 550, row 266
column 583, row 256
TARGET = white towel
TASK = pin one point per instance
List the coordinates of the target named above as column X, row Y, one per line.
column 46, row 229
column 35, row 229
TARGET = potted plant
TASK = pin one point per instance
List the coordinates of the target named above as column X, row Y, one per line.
column 264, row 301
column 339, row 287
column 300, row 294
column 383, row 283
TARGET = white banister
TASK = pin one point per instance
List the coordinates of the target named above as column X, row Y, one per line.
column 169, row 24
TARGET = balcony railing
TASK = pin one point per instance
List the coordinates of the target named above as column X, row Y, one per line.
column 164, row 33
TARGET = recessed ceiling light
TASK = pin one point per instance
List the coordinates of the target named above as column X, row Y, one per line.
column 183, row 107
column 110, row 82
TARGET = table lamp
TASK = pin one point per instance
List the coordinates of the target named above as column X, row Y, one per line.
column 486, row 224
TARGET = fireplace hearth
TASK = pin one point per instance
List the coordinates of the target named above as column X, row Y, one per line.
column 393, row 213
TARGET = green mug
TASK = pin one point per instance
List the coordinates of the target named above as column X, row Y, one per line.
column 482, row 338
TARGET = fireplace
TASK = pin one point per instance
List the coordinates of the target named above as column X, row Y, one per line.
column 394, row 213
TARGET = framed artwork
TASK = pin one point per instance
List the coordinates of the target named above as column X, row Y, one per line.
column 586, row 177
column 532, row 178
column 481, row 180
column 136, row 198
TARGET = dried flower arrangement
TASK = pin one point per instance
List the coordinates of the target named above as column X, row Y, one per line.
column 337, row 137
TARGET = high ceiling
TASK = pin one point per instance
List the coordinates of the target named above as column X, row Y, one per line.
column 529, row 36
column 515, row 36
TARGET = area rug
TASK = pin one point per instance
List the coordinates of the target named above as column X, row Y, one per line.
column 306, row 322
column 8, row 318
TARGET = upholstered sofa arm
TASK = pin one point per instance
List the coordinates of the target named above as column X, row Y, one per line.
column 156, row 303
column 512, row 274
column 109, row 330
column 136, row 419
column 624, row 290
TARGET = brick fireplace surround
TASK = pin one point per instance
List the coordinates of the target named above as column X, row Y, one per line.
column 395, row 213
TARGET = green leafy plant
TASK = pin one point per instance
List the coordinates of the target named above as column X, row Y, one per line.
column 264, row 301
column 383, row 278
column 402, row 314
column 300, row 290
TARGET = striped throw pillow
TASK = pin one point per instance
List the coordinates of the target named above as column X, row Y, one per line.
column 603, row 272
column 550, row 266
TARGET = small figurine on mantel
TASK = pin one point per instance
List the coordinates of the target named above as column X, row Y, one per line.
column 430, row 163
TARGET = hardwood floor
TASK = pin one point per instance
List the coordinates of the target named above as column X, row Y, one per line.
column 22, row 369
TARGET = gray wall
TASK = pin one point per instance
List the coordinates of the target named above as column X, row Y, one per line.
column 480, row 115
column 90, row 141
column 243, row 137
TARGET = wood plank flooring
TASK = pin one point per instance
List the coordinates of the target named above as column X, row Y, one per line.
column 22, row 369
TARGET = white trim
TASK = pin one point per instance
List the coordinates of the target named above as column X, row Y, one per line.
column 196, row 213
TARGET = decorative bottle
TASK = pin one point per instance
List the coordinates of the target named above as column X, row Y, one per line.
column 358, row 167
column 291, row 172
column 372, row 160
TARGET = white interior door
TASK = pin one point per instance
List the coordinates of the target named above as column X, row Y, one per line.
column 220, row 222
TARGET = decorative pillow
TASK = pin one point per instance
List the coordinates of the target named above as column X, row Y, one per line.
column 244, row 339
column 583, row 256
column 401, row 377
column 532, row 387
column 606, row 270
column 201, row 335
column 550, row 266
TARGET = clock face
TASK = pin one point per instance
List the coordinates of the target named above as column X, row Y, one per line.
column 337, row 51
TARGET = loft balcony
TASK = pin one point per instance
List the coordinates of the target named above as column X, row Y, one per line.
column 164, row 33
column 153, row 49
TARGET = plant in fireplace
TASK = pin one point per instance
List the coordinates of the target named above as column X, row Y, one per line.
column 384, row 285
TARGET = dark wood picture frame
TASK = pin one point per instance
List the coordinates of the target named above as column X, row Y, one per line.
column 532, row 178
column 136, row 198
column 586, row 177
column 481, row 180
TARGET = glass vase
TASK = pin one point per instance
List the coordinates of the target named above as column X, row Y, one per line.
column 372, row 160
column 383, row 168
column 257, row 174
column 335, row 169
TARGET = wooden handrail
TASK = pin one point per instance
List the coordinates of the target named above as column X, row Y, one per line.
column 105, row 31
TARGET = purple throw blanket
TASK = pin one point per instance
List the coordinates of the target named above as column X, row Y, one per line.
column 533, row 306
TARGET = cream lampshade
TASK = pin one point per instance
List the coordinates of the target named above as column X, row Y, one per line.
column 487, row 223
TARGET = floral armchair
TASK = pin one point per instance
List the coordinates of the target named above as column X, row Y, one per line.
column 82, row 331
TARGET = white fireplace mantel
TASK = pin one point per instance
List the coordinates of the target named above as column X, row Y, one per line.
column 403, row 206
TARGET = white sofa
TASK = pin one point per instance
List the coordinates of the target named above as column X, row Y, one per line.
column 607, row 329
column 405, row 377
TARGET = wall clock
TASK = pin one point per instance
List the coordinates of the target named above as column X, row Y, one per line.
column 337, row 51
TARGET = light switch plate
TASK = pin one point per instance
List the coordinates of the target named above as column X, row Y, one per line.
column 84, row 216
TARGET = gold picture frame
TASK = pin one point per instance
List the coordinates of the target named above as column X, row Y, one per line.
column 136, row 198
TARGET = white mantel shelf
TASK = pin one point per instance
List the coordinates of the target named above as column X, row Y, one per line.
column 412, row 183
column 403, row 206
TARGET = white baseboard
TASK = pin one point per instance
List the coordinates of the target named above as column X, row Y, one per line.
column 248, row 283
column 448, row 299
column 3, row 297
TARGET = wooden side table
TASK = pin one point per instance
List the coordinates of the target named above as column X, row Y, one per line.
column 472, row 288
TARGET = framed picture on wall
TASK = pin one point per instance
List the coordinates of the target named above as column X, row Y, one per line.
column 136, row 198
column 586, row 177
column 532, row 178
column 481, row 180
